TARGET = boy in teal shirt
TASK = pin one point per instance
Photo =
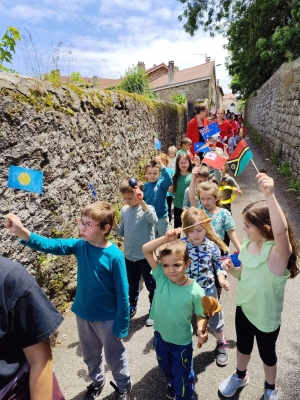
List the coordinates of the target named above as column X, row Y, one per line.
column 176, row 298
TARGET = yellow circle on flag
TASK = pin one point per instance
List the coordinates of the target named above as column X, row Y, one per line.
column 24, row 178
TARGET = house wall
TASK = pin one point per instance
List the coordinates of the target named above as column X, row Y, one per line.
column 193, row 91
column 219, row 102
column 212, row 95
column 158, row 72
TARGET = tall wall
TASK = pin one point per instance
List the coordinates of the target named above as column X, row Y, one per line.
column 76, row 137
column 274, row 113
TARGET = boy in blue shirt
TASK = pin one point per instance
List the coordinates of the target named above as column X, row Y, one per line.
column 101, row 302
column 159, row 179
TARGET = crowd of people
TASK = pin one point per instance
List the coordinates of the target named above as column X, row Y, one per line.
column 177, row 227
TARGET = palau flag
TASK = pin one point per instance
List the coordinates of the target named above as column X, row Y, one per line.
column 25, row 179
column 240, row 157
column 210, row 130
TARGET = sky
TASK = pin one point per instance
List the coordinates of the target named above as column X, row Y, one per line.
column 104, row 38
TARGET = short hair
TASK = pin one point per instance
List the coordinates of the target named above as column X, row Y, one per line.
column 101, row 212
column 151, row 164
column 198, row 109
column 126, row 188
column 172, row 148
column 185, row 140
column 178, row 248
column 204, row 173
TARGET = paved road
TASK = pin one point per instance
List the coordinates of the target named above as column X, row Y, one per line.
column 149, row 382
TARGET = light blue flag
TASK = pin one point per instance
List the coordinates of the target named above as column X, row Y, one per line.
column 157, row 144
column 201, row 147
column 25, row 179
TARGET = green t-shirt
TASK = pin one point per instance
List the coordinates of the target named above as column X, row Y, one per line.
column 260, row 292
column 173, row 306
column 182, row 183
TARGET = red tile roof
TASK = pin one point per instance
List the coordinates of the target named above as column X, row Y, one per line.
column 100, row 83
column 185, row 75
column 156, row 67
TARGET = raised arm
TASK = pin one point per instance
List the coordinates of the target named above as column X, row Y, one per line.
column 192, row 188
column 15, row 226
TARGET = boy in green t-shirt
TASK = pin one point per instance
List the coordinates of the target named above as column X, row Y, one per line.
column 176, row 299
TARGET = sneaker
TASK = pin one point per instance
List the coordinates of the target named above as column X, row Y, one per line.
column 149, row 322
column 231, row 384
column 94, row 391
column 170, row 392
column 271, row 394
column 122, row 395
column 222, row 356
column 132, row 313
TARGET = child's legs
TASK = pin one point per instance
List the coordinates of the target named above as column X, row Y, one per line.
column 216, row 322
column 169, row 202
column 182, row 371
column 92, row 350
column 266, row 343
column 133, row 276
column 145, row 271
column 177, row 219
column 245, row 332
column 161, row 227
column 115, row 353
column 163, row 354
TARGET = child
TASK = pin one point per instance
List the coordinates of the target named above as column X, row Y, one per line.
column 137, row 226
column 165, row 160
column 184, row 147
column 220, row 149
column 181, row 181
column 176, row 298
column 159, row 179
column 101, row 301
column 269, row 258
column 204, row 253
column 172, row 156
column 203, row 176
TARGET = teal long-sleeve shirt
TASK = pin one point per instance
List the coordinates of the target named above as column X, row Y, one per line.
column 102, row 286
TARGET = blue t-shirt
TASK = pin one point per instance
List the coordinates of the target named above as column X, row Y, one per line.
column 155, row 193
column 102, row 287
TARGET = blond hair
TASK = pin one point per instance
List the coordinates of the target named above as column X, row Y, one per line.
column 211, row 187
column 193, row 215
column 178, row 248
column 172, row 148
column 101, row 212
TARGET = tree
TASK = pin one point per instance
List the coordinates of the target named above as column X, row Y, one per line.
column 136, row 81
column 7, row 46
column 178, row 98
column 262, row 34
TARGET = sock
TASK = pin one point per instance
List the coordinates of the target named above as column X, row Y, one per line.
column 241, row 374
column 221, row 340
column 268, row 386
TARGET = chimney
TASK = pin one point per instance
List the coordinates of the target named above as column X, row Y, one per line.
column 95, row 80
column 176, row 69
column 141, row 65
column 154, row 65
column 207, row 59
column 218, row 82
column 171, row 72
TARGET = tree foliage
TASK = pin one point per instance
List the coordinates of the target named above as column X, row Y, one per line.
column 262, row 34
column 178, row 98
column 136, row 81
column 7, row 46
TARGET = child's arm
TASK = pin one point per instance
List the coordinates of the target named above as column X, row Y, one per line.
column 150, row 247
column 236, row 189
column 15, row 226
column 150, row 213
column 165, row 174
column 216, row 263
column 278, row 223
column 192, row 188
column 202, row 337
column 228, row 266
column 235, row 240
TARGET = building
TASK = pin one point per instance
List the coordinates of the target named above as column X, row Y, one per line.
column 229, row 102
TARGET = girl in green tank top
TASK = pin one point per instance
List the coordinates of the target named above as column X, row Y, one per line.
column 269, row 258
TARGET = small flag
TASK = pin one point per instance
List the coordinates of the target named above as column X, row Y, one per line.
column 201, row 147
column 210, row 130
column 25, row 179
column 157, row 144
column 240, row 157
column 93, row 191
column 213, row 160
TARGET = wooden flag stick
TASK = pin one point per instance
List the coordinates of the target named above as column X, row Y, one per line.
column 198, row 223
column 257, row 170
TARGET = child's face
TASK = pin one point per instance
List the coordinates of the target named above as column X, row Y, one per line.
column 183, row 165
column 152, row 174
column 207, row 199
column 196, row 235
column 200, row 179
column 89, row 230
column 224, row 169
column 172, row 153
column 174, row 267
column 130, row 199
column 186, row 146
column 252, row 233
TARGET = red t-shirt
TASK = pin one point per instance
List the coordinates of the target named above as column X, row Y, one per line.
column 226, row 130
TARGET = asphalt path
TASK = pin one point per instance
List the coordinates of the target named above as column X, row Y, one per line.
column 148, row 381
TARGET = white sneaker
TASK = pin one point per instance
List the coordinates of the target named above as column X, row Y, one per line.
column 149, row 322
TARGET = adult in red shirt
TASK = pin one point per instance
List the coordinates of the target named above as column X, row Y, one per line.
column 194, row 126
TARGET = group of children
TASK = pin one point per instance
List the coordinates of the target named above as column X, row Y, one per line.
column 177, row 273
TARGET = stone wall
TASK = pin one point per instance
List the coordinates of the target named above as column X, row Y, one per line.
column 274, row 114
column 193, row 91
column 76, row 137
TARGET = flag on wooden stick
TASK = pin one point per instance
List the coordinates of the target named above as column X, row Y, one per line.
column 213, row 160
column 240, row 157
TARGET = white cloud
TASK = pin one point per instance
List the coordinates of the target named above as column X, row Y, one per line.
column 114, row 5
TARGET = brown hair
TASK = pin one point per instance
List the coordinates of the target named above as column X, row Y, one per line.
column 185, row 140
column 198, row 109
column 101, row 212
column 151, row 164
column 257, row 214
column 193, row 215
column 211, row 187
column 125, row 188
column 177, row 169
column 177, row 248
